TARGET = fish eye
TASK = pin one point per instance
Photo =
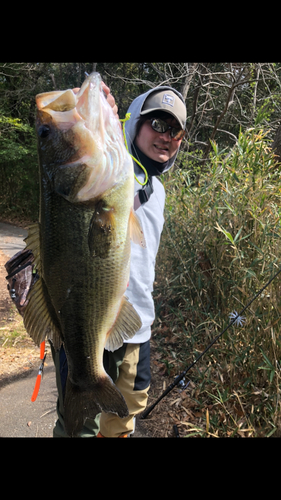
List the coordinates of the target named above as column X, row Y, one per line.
column 43, row 131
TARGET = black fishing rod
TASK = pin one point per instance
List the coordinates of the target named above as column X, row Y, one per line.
column 182, row 375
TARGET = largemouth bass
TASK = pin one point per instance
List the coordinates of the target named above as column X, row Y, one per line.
column 82, row 244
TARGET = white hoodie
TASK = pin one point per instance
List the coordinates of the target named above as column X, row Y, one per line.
column 142, row 273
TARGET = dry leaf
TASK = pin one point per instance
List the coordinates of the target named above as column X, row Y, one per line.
column 175, row 401
column 189, row 413
column 238, row 411
column 197, row 414
column 207, row 421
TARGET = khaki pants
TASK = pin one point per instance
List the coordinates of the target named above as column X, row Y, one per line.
column 129, row 368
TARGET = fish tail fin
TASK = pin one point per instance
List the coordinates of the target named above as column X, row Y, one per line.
column 80, row 404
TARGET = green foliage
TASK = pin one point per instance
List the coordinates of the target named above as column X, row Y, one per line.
column 18, row 169
column 221, row 245
column 264, row 112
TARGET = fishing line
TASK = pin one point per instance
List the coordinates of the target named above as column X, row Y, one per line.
column 182, row 375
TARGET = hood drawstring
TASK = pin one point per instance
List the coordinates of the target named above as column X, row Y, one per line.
column 124, row 120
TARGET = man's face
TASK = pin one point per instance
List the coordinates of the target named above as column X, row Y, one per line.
column 156, row 145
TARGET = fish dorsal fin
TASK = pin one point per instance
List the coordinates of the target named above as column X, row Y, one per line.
column 39, row 316
column 136, row 231
column 38, row 320
column 126, row 325
column 32, row 242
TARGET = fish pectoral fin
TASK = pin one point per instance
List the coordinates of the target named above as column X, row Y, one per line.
column 136, row 231
column 101, row 236
column 126, row 325
column 38, row 320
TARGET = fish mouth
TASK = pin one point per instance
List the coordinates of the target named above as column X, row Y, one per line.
column 67, row 107
column 88, row 106
column 95, row 131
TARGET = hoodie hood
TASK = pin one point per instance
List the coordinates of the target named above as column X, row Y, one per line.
column 131, row 124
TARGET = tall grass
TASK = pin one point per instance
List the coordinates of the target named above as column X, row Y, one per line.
column 221, row 245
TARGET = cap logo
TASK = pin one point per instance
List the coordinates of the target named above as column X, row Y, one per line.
column 168, row 99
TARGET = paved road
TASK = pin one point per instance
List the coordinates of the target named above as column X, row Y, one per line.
column 19, row 417
column 11, row 238
column 22, row 418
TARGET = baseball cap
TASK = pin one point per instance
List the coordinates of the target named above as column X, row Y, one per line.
column 165, row 100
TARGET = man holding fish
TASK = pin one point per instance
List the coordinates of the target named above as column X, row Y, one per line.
column 101, row 218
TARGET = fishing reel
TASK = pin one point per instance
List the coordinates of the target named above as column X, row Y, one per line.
column 182, row 385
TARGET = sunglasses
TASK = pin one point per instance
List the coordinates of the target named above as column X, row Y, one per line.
column 161, row 127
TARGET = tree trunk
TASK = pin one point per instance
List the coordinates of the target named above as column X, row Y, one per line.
column 190, row 72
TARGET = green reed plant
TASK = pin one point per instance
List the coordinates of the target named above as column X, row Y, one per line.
column 221, row 245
